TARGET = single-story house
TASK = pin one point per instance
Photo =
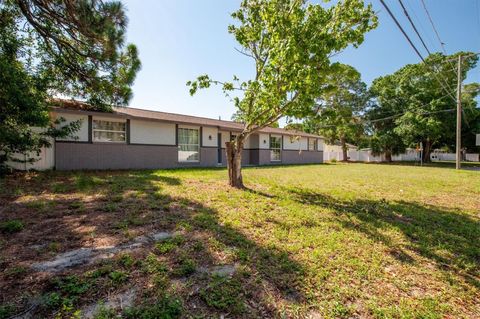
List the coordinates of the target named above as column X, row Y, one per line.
column 131, row 138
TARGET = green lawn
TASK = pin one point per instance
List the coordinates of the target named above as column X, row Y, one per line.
column 318, row 241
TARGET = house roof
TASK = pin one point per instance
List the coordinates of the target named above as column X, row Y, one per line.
column 130, row 112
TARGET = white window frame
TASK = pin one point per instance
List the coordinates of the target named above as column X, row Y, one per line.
column 272, row 149
column 314, row 140
column 198, row 145
column 112, row 131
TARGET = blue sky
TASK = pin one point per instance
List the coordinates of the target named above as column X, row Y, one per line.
column 179, row 40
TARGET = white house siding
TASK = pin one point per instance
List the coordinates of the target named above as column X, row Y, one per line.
column 264, row 141
column 225, row 137
column 82, row 134
column 254, row 141
column 44, row 161
column 303, row 143
column 251, row 142
column 320, row 144
column 152, row 132
column 291, row 142
column 209, row 136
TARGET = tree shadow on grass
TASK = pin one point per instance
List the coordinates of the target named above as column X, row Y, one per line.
column 102, row 208
column 448, row 238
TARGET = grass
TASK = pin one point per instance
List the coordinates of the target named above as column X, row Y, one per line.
column 11, row 226
column 329, row 241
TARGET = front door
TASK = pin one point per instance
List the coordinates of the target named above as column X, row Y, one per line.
column 219, row 151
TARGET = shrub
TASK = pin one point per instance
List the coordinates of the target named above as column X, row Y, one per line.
column 11, row 226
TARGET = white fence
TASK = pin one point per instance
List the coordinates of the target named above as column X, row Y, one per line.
column 409, row 155
column 353, row 155
column 469, row 157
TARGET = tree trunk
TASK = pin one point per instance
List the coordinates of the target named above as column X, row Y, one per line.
column 388, row 156
column 427, row 149
column 344, row 149
column 234, row 163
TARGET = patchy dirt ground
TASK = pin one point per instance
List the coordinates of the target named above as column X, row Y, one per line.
column 168, row 244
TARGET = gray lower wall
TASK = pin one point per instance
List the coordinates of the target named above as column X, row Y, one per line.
column 304, row 157
column 248, row 157
column 73, row 156
column 78, row 156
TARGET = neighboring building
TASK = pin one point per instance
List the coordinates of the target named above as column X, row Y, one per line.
column 478, row 140
column 130, row 138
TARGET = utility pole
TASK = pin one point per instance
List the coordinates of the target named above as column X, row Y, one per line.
column 458, row 164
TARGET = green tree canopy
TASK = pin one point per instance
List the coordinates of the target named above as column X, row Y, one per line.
column 419, row 103
column 337, row 115
column 59, row 48
column 291, row 43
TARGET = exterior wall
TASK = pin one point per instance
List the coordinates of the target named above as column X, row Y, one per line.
column 320, row 144
column 209, row 132
column 82, row 134
column 77, row 156
column 303, row 157
column 150, row 132
column 264, row 157
column 291, row 143
column 264, row 141
column 225, row 137
column 44, row 161
column 152, row 144
column 251, row 142
column 304, row 143
column 248, row 157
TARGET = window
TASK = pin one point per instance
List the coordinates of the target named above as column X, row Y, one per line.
column 188, row 145
column 107, row 131
column 275, row 148
column 312, row 144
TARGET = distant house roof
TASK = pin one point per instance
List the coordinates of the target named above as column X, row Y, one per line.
column 130, row 112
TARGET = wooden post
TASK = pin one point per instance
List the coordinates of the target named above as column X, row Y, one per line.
column 458, row 163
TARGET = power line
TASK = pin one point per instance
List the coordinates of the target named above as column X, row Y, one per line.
column 433, row 26
column 415, row 48
column 413, row 26
column 364, row 121
column 401, row 29
column 391, row 117
column 405, row 12
column 415, row 17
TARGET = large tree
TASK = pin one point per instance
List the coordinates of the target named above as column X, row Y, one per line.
column 337, row 113
column 383, row 139
column 290, row 43
column 64, row 48
column 418, row 102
